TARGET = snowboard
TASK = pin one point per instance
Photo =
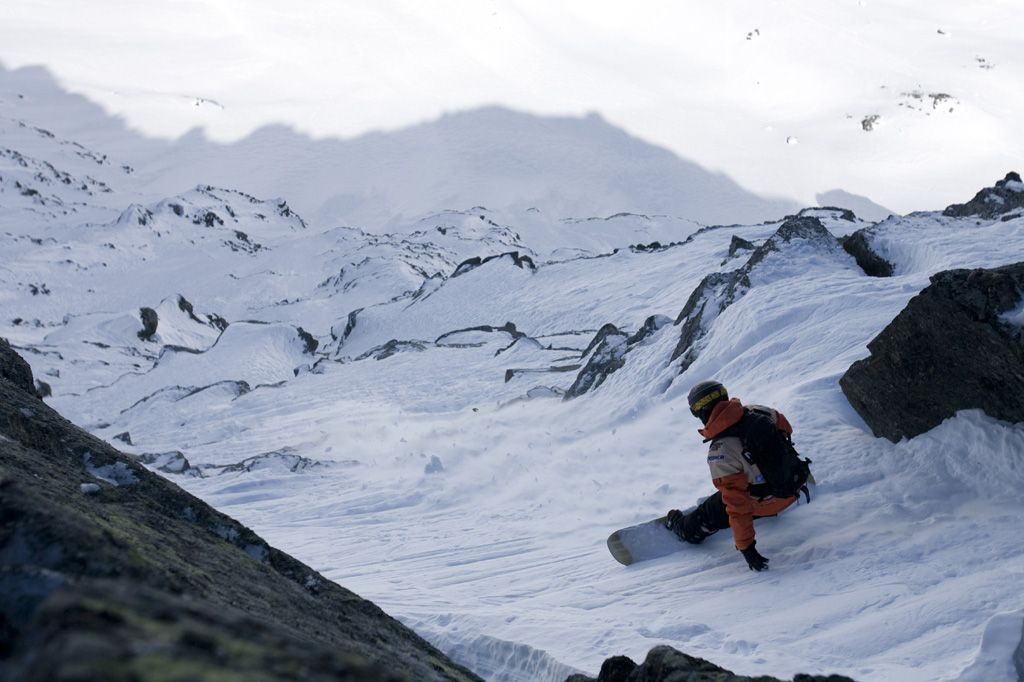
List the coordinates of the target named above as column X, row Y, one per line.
column 647, row 540
column 652, row 539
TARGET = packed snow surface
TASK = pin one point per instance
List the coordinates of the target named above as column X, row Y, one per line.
column 401, row 429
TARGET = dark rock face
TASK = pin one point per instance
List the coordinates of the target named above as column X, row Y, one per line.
column 309, row 341
column 513, row 372
column 737, row 243
column 212, row 319
column 149, row 323
column 173, row 462
column 610, row 347
column 950, row 349
column 1006, row 196
column 715, row 293
column 665, row 664
column 858, row 245
column 14, row 369
column 111, row 572
column 609, row 350
column 393, row 346
column 520, row 261
column 507, row 328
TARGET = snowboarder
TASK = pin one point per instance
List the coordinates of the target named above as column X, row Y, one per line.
column 753, row 465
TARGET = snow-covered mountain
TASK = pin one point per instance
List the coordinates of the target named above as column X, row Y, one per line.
column 909, row 104
column 492, row 156
column 450, row 417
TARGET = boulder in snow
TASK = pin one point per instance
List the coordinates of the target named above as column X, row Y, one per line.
column 150, row 320
column 858, row 245
column 957, row 345
column 173, row 462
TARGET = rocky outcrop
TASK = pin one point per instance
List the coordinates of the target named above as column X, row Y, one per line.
column 719, row 290
column 607, row 354
column 609, row 350
column 172, row 462
column 1007, row 196
column 451, row 338
column 715, row 293
column 150, row 320
column 14, row 369
column 952, row 348
column 309, row 341
column 513, row 372
column 738, row 243
column 665, row 664
column 108, row 571
column 212, row 319
column 386, row 350
column 858, row 245
column 520, row 261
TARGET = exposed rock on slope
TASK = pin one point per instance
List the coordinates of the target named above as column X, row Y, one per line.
column 524, row 262
column 957, row 345
column 14, row 369
column 1007, row 196
column 737, row 243
column 609, row 348
column 859, row 246
column 719, row 290
column 111, row 572
column 665, row 664
column 607, row 353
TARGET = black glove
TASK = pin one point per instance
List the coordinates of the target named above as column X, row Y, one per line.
column 755, row 561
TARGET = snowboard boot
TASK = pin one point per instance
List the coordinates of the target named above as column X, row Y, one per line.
column 689, row 527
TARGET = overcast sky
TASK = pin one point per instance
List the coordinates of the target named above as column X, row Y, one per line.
column 772, row 93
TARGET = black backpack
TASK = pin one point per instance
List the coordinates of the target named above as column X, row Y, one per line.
column 771, row 449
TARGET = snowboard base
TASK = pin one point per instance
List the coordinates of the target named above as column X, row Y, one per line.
column 648, row 540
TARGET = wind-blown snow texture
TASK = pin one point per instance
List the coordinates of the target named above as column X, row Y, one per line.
column 401, row 457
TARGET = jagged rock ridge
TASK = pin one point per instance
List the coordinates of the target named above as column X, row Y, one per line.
column 719, row 290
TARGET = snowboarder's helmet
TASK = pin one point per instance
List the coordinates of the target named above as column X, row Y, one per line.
column 704, row 396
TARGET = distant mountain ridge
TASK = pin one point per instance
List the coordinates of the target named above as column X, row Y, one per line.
column 492, row 156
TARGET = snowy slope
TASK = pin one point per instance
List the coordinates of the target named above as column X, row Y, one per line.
column 474, row 503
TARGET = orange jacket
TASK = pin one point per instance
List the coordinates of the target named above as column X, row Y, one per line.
column 733, row 475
